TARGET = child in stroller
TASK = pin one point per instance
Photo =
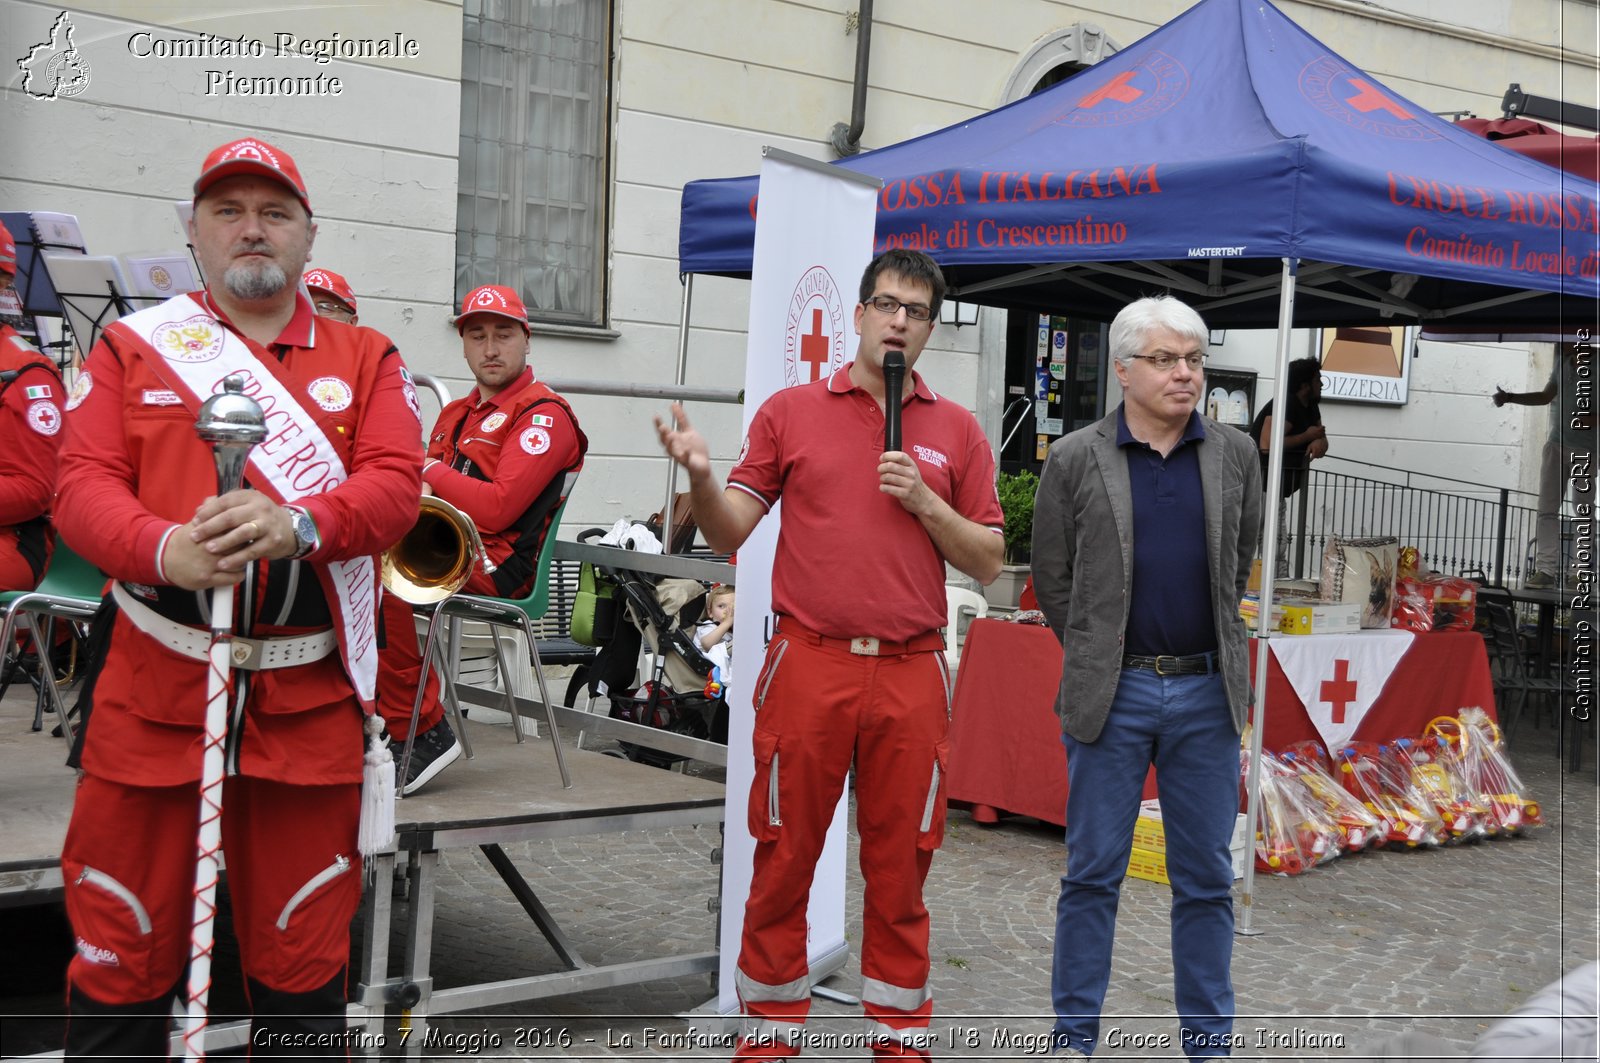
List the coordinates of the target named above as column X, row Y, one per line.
column 659, row 613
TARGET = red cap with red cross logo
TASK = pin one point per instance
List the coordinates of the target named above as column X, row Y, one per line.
column 326, row 280
column 493, row 299
column 254, row 157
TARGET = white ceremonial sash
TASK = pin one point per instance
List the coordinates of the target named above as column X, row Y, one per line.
column 193, row 352
column 1338, row 677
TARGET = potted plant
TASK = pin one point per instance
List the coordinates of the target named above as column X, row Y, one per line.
column 1016, row 491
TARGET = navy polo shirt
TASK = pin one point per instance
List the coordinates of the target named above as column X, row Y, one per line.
column 1171, row 608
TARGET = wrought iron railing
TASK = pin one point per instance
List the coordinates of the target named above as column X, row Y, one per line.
column 1456, row 525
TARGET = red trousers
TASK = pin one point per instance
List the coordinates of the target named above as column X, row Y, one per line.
column 293, row 875
column 818, row 706
column 399, row 669
column 15, row 572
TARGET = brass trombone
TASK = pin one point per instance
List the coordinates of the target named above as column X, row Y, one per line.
column 434, row 559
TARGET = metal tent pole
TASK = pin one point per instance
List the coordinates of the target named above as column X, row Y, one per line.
column 1269, row 572
column 667, row 528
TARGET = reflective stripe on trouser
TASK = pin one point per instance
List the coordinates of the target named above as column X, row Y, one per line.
column 897, row 1018
column 817, row 709
column 294, row 880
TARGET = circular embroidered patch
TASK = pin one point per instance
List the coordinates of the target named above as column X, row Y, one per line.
column 535, row 440
column 331, row 393
column 80, row 390
column 493, row 422
column 44, row 418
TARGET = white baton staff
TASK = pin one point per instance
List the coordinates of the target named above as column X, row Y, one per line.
column 232, row 423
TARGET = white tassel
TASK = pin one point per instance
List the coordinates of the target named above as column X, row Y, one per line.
column 377, row 792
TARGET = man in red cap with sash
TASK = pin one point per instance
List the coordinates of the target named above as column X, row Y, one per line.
column 30, row 435
column 335, row 481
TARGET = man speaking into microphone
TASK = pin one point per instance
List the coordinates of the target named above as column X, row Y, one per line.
column 855, row 670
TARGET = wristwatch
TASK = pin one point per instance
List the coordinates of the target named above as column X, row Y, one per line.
column 305, row 531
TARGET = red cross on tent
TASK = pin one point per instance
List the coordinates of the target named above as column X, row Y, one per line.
column 1338, row 677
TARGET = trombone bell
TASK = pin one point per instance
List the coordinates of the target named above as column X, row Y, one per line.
column 435, row 558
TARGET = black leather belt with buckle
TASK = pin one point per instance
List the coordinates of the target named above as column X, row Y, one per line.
column 1193, row 664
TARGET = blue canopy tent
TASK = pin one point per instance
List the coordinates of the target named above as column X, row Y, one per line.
column 1231, row 158
column 1195, row 160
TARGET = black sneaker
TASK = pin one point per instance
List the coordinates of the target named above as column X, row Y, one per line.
column 435, row 750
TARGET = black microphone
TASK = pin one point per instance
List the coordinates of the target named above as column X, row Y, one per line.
column 894, row 378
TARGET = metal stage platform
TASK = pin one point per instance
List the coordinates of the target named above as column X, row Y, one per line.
column 507, row 793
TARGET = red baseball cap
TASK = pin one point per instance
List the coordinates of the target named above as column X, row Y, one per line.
column 8, row 250
column 251, row 156
column 325, row 280
column 494, row 299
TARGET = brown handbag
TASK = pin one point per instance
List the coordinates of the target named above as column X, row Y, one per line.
column 683, row 525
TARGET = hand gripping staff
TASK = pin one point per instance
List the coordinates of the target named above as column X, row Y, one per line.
column 232, row 422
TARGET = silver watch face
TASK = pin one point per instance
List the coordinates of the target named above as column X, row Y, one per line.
column 305, row 529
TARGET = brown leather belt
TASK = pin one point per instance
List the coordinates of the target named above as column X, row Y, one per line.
column 861, row 645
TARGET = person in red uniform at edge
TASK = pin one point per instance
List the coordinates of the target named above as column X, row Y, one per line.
column 400, row 660
column 336, row 480
column 855, row 669
column 30, row 436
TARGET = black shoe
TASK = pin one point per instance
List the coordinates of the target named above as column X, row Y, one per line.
column 435, row 750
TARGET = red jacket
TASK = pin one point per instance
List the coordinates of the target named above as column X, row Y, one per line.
column 30, row 438
column 132, row 462
column 507, row 462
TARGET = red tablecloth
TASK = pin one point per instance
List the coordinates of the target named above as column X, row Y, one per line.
column 1006, row 741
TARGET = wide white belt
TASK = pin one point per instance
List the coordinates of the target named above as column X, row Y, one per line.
column 251, row 655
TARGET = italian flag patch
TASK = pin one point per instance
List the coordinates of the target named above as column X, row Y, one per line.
column 41, row 391
column 543, row 421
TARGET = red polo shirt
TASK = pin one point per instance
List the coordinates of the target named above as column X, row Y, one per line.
column 850, row 560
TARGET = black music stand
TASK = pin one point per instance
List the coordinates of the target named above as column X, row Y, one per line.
column 32, row 284
column 89, row 289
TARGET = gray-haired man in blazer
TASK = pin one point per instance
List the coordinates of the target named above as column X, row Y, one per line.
column 1144, row 529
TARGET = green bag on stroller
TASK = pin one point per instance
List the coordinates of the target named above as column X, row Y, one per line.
column 594, row 610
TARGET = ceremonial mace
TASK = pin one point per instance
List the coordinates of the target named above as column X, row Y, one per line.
column 232, row 422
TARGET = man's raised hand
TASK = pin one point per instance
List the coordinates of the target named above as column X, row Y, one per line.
column 683, row 444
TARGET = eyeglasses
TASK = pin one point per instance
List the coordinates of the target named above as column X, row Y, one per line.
column 1165, row 361
column 888, row 304
column 334, row 309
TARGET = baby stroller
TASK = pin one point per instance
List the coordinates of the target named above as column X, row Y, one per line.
column 656, row 614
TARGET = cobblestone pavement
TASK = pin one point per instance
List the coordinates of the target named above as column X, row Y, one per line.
column 1366, row 947
column 1437, row 942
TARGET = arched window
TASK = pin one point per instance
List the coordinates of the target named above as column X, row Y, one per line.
column 1055, row 363
column 1058, row 56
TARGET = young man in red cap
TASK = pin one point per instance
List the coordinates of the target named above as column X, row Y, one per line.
column 335, row 481
column 854, row 673
column 401, row 661
column 507, row 454
column 30, row 436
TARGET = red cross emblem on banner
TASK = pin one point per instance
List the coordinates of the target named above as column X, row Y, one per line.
column 814, row 345
column 1339, row 691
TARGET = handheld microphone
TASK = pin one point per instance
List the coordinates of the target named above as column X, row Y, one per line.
column 894, row 378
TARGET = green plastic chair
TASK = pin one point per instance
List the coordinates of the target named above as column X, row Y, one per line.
column 497, row 613
column 71, row 589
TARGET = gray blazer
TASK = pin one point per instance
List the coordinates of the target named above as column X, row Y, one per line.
column 1083, row 561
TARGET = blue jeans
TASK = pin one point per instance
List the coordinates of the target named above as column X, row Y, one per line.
column 1183, row 726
